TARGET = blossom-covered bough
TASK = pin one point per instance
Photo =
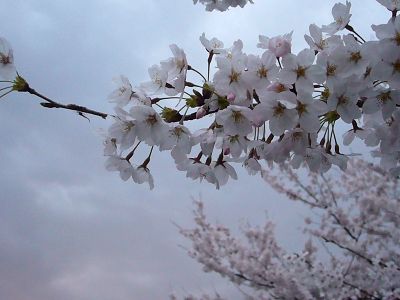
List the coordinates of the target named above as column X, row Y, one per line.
column 266, row 108
column 356, row 219
column 222, row 5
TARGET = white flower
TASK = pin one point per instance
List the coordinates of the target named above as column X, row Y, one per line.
column 141, row 175
column 223, row 171
column 331, row 66
column 234, row 144
column 381, row 99
column 123, row 131
column 214, row 45
column 158, row 81
column 360, row 133
column 280, row 117
column 281, row 91
column 149, row 125
column 260, row 71
column 116, row 163
column 279, row 45
column 196, row 170
column 206, row 138
column 252, row 166
column 343, row 99
column 318, row 43
column 389, row 67
column 301, row 71
column 110, row 146
column 125, row 93
column 392, row 5
column 341, row 15
column 318, row 160
column 122, row 94
column 388, row 32
column 309, row 110
column 229, row 77
column 7, row 68
column 297, row 140
column 177, row 136
column 353, row 57
column 179, row 59
column 222, row 5
column 235, row 120
column 176, row 68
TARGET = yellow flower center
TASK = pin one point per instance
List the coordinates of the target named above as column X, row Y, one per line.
column 234, row 77
column 279, row 109
column 301, row 72
column 151, row 120
column 262, row 72
column 237, row 116
column 331, row 70
column 385, row 96
column 355, row 56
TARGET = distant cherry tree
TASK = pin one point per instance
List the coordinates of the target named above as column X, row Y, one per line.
column 355, row 222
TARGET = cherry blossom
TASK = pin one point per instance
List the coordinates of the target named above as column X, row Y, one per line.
column 278, row 45
column 341, row 14
column 392, row 5
column 356, row 218
column 7, row 67
column 214, row 45
column 264, row 108
column 222, row 5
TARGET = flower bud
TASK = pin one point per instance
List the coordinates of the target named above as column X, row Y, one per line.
column 201, row 112
column 20, row 84
column 231, row 97
column 170, row 115
column 280, row 46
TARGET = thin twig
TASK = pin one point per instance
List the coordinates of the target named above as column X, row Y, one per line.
column 53, row 104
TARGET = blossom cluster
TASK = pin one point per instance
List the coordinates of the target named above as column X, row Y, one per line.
column 273, row 107
column 261, row 109
column 357, row 218
column 222, row 5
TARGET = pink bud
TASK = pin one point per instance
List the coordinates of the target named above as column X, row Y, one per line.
column 227, row 151
column 231, row 97
column 201, row 112
column 279, row 46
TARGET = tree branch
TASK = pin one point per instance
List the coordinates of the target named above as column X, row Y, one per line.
column 53, row 104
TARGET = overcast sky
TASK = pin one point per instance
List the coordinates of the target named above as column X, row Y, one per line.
column 68, row 228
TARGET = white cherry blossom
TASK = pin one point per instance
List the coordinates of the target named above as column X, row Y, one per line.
column 214, row 45
column 301, row 71
column 341, row 15
column 7, row 67
column 149, row 125
column 235, row 120
column 279, row 45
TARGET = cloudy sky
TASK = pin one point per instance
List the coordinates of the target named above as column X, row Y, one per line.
column 68, row 228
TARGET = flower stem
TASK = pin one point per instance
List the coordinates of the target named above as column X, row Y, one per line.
column 196, row 71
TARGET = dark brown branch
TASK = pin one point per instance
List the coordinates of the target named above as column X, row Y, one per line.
column 344, row 227
column 361, row 290
column 251, row 281
column 348, row 249
column 178, row 117
column 53, row 104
